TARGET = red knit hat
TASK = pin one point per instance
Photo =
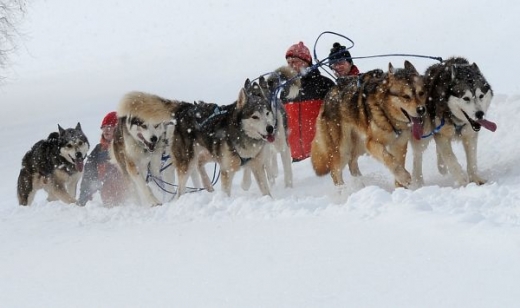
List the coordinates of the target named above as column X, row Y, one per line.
column 110, row 119
column 299, row 51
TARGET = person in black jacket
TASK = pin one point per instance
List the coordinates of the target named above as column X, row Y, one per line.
column 303, row 110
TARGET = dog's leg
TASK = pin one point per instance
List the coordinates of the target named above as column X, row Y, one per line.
column 256, row 165
column 72, row 185
column 246, row 178
column 337, row 160
column 272, row 162
column 137, row 175
column 358, row 149
column 25, row 188
column 445, row 150
column 285, row 155
column 378, row 151
column 57, row 191
column 203, row 159
column 470, row 146
column 227, row 180
column 398, row 151
column 441, row 165
column 418, row 148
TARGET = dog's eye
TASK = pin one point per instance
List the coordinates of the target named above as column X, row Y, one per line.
column 481, row 96
column 144, row 126
column 69, row 146
column 467, row 99
column 255, row 117
column 421, row 93
column 157, row 126
column 80, row 143
column 406, row 96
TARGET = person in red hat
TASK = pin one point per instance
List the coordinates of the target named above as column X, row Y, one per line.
column 99, row 174
column 303, row 110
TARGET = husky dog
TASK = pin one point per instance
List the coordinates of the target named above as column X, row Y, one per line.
column 139, row 139
column 282, row 79
column 55, row 165
column 232, row 135
column 378, row 117
column 458, row 99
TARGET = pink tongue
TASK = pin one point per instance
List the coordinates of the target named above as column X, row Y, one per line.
column 79, row 166
column 417, row 128
column 270, row 138
column 487, row 124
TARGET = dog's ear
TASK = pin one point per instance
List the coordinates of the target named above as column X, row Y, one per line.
column 247, row 84
column 475, row 67
column 78, row 127
column 263, row 83
column 391, row 69
column 61, row 130
column 242, row 99
column 409, row 66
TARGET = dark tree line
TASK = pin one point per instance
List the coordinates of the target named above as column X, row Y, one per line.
column 11, row 14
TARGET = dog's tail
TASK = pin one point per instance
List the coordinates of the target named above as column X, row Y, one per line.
column 322, row 146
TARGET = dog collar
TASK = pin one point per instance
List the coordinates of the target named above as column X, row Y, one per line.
column 435, row 130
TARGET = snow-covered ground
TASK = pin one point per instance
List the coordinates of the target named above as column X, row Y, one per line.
column 310, row 246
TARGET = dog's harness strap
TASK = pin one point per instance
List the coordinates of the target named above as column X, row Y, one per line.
column 435, row 130
column 216, row 112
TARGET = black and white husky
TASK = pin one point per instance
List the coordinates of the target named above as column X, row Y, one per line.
column 283, row 79
column 232, row 135
column 54, row 164
column 140, row 140
column 458, row 99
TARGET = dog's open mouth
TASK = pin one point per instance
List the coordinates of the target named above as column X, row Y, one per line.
column 269, row 137
column 150, row 146
column 416, row 125
column 475, row 125
column 78, row 163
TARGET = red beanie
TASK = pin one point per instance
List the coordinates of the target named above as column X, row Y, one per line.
column 110, row 119
column 299, row 51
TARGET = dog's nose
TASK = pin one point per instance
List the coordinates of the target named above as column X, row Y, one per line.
column 153, row 139
column 479, row 114
column 421, row 110
column 270, row 129
column 79, row 155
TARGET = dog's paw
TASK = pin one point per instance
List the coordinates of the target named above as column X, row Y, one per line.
column 477, row 180
column 402, row 178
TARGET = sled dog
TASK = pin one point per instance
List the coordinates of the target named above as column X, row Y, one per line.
column 458, row 99
column 55, row 165
column 380, row 116
column 140, row 139
column 232, row 135
column 282, row 79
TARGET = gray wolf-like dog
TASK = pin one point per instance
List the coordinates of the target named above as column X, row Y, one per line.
column 378, row 117
column 140, row 139
column 282, row 79
column 55, row 165
column 458, row 99
column 232, row 135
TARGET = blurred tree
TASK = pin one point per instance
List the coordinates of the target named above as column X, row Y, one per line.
column 11, row 13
